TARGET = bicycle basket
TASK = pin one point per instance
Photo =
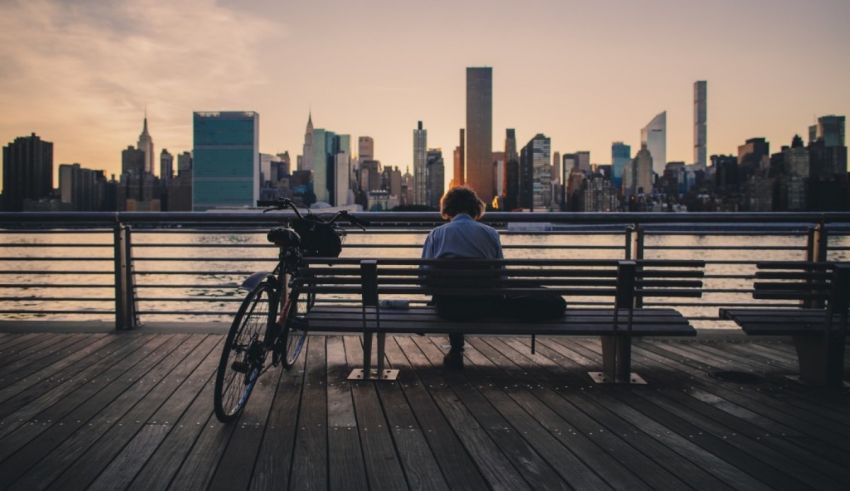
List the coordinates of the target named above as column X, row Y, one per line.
column 318, row 239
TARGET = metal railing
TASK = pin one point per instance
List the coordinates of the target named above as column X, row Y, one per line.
column 142, row 266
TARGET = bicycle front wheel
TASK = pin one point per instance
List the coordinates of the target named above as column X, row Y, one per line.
column 244, row 353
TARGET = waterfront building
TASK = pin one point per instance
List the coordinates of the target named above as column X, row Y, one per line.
column 828, row 152
column 620, row 157
column 145, row 144
column 511, row 178
column 166, row 166
column 226, row 167
column 420, row 146
column 479, row 131
column 27, row 171
column 599, row 194
column 434, row 177
column 536, row 174
column 84, row 189
column 700, row 123
column 654, row 137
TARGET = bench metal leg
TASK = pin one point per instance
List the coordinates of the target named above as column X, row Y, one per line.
column 367, row 372
column 821, row 359
column 616, row 362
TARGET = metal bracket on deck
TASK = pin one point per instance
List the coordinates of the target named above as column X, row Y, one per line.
column 373, row 374
column 601, row 378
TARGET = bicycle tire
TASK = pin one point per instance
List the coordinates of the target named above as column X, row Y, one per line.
column 237, row 374
column 294, row 332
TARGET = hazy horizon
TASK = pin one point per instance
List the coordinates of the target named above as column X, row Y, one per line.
column 81, row 74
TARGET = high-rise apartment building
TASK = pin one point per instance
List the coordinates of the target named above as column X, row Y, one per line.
column 366, row 148
column 536, row 174
column 459, row 176
column 479, row 131
column 620, row 156
column 166, row 166
column 226, row 166
column 556, row 167
column 146, row 145
column 184, row 163
column 510, row 186
column 583, row 161
column 27, row 171
column 434, row 177
column 637, row 178
column 420, row 148
column 654, row 136
column 700, row 124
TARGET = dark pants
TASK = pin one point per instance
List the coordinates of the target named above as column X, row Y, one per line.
column 530, row 307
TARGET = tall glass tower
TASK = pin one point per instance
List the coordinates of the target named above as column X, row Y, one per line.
column 654, row 136
column 700, row 123
column 420, row 147
column 226, row 167
column 620, row 156
column 479, row 131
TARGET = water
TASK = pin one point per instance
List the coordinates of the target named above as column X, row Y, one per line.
column 175, row 280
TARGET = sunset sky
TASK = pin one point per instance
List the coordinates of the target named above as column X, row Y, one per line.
column 80, row 73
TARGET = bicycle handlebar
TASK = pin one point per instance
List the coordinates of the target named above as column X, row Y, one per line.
column 281, row 203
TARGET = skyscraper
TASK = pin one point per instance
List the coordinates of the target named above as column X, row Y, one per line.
column 831, row 130
column 583, row 161
column 325, row 146
column 556, row 167
column 342, row 173
column 828, row 151
column 226, row 166
column 366, row 148
column 27, row 171
column 700, row 123
column 459, row 176
column 184, row 163
column 434, row 177
column 620, row 156
column 306, row 162
column 166, row 166
column 637, row 177
column 654, row 136
column 146, row 145
column 479, row 131
column 536, row 174
column 420, row 146
column 510, row 185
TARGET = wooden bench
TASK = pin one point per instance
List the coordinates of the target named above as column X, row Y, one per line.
column 818, row 328
column 626, row 282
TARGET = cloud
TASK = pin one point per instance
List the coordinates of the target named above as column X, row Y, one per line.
column 86, row 69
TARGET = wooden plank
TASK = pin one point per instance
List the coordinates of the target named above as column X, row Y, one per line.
column 497, row 468
column 26, row 405
column 106, row 405
column 63, row 363
column 574, row 415
column 42, row 342
column 346, row 467
column 739, row 451
column 556, row 449
column 701, row 461
column 124, row 466
column 84, row 454
column 310, row 462
column 237, row 461
column 274, row 461
column 383, row 465
column 18, row 341
column 40, row 359
column 446, row 449
column 530, row 463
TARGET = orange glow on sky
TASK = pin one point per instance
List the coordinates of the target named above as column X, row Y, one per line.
column 80, row 74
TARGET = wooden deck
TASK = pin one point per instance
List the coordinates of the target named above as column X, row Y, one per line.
column 133, row 411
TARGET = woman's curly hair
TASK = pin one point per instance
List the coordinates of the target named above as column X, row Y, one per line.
column 461, row 199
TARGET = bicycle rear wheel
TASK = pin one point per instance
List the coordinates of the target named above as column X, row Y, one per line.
column 293, row 336
column 244, row 353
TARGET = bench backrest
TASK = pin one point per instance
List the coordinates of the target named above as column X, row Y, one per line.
column 815, row 284
column 627, row 282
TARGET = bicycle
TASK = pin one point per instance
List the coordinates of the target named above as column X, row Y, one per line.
column 257, row 328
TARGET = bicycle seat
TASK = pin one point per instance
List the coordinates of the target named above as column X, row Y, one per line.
column 284, row 237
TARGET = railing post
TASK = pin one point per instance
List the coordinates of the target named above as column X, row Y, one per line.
column 816, row 249
column 125, row 291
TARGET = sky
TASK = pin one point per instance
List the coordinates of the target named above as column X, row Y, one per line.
column 81, row 73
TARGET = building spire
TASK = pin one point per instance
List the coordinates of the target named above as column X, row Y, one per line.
column 310, row 121
column 145, row 126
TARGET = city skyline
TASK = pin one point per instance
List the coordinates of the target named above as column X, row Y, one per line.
column 91, row 104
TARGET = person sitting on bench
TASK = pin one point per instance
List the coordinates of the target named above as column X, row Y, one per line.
column 466, row 238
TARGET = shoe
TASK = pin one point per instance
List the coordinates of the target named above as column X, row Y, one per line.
column 453, row 360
